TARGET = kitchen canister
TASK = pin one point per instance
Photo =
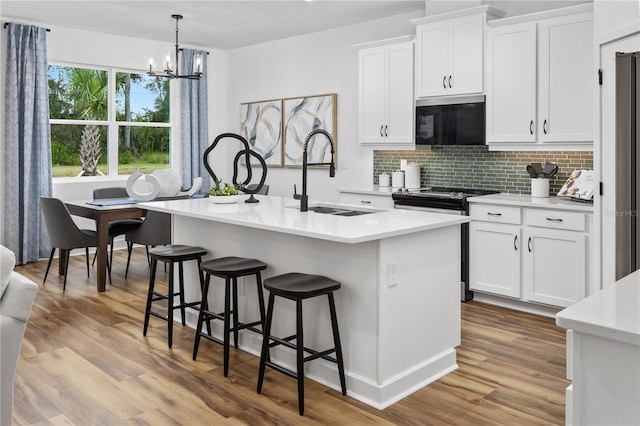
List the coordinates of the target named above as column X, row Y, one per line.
column 397, row 179
column 412, row 176
column 540, row 188
column 384, row 180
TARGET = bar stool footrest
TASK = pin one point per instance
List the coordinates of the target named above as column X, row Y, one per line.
column 209, row 315
column 281, row 369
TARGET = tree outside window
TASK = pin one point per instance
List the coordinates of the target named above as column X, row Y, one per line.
column 81, row 119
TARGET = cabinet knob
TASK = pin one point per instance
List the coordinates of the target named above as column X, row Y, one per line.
column 444, row 82
column 531, row 127
column 381, row 134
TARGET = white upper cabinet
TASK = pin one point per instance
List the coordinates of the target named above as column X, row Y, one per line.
column 449, row 56
column 450, row 51
column 540, row 80
column 511, row 84
column 386, row 104
column 566, row 79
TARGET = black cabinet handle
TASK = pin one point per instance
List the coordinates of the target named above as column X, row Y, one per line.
column 551, row 219
column 385, row 131
column 449, row 82
column 515, row 243
column 365, row 201
column 531, row 127
column 444, row 82
column 494, row 214
column 544, row 127
column 529, row 244
column 381, row 134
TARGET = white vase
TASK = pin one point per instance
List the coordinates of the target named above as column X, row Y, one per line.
column 540, row 188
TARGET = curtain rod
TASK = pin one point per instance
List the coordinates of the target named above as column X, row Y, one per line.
column 6, row 24
column 182, row 48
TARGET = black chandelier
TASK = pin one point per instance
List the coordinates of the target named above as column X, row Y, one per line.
column 171, row 65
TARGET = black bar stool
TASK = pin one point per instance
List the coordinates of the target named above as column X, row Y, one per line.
column 297, row 287
column 229, row 268
column 171, row 254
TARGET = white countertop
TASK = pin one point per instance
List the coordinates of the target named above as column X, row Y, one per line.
column 612, row 313
column 284, row 215
column 525, row 200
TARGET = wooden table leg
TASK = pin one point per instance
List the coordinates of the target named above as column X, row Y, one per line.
column 102, row 227
column 62, row 260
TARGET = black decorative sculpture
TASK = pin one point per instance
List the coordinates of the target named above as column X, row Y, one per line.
column 247, row 153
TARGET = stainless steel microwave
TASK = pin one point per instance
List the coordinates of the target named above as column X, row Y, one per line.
column 450, row 121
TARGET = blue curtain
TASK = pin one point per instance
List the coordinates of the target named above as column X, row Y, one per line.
column 27, row 142
column 194, row 135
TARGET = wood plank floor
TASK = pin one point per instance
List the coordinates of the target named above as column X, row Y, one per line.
column 84, row 361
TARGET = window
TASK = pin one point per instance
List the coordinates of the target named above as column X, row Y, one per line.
column 86, row 127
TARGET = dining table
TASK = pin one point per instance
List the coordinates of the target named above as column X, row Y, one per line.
column 102, row 211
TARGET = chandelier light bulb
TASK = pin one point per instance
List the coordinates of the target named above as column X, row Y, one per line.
column 197, row 64
column 168, row 63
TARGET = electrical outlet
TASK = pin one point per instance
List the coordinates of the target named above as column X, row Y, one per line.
column 241, row 286
column 392, row 274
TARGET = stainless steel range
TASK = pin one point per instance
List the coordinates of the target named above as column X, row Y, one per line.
column 444, row 200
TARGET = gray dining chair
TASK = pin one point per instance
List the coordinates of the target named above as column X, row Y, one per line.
column 263, row 191
column 64, row 234
column 154, row 231
column 116, row 227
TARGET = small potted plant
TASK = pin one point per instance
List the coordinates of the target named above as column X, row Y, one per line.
column 223, row 193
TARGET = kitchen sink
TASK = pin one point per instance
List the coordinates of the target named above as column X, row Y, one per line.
column 337, row 211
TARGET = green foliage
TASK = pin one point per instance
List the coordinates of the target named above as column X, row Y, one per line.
column 223, row 188
column 88, row 90
column 155, row 157
column 62, row 155
column 125, row 157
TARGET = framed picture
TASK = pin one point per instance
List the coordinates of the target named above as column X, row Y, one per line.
column 261, row 126
column 301, row 116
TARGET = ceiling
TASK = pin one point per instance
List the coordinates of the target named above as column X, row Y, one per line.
column 213, row 24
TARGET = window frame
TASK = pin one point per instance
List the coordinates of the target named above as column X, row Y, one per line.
column 112, row 124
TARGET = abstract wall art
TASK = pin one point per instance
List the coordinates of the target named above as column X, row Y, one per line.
column 302, row 115
column 261, row 126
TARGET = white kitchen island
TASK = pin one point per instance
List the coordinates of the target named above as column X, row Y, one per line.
column 398, row 308
column 603, row 355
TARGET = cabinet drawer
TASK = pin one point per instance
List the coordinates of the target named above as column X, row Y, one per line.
column 572, row 221
column 494, row 213
column 377, row 201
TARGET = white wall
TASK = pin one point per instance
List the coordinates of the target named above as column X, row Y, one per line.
column 610, row 16
column 319, row 63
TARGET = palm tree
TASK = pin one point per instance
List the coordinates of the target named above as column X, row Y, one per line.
column 88, row 89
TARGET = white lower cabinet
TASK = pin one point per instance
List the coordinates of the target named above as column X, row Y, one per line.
column 494, row 264
column 382, row 201
column 554, row 266
column 534, row 255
